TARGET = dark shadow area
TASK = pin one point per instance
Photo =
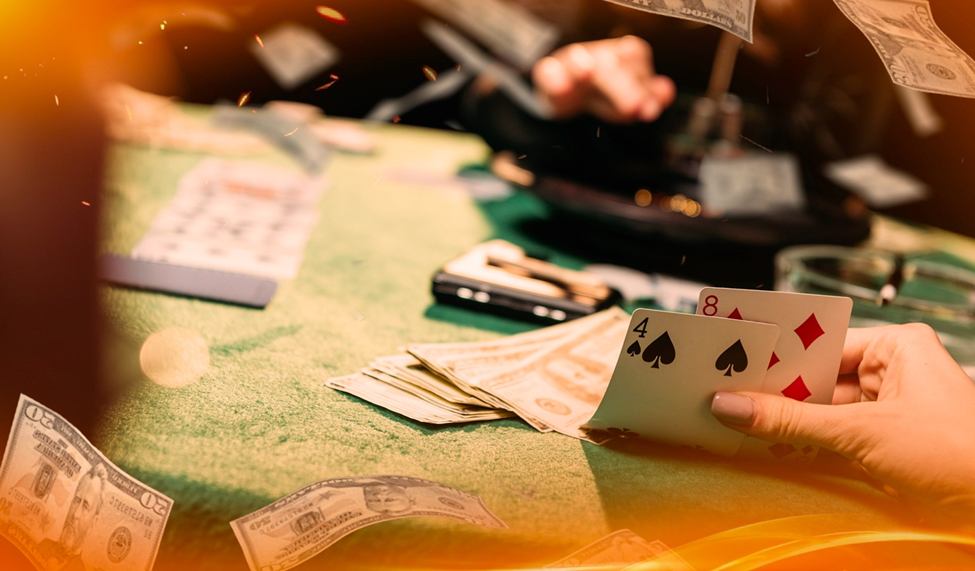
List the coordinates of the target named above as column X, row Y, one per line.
column 525, row 220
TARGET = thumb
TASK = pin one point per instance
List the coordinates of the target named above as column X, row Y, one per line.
column 840, row 428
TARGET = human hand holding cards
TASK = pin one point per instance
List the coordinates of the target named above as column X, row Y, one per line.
column 671, row 364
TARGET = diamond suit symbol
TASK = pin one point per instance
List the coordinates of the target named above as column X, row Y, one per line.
column 809, row 331
column 775, row 359
column 781, row 450
column 797, row 390
column 736, row 315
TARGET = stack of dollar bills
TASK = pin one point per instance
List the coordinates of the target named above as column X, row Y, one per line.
column 553, row 378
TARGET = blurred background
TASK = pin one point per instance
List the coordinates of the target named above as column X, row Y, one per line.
column 818, row 85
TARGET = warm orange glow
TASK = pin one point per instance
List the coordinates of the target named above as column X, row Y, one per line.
column 643, row 197
column 243, row 99
column 692, row 208
column 430, row 73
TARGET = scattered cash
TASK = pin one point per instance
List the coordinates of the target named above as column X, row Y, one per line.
column 753, row 184
column 553, row 378
column 881, row 185
column 66, row 506
column 293, row 54
column 304, row 523
column 734, row 16
column 412, row 401
column 621, row 549
column 915, row 51
column 507, row 28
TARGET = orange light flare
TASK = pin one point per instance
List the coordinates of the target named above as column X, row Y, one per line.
column 291, row 133
column 643, row 197
column 331, row 14
column 86, row 203
column 396, row 119
column 243, row 99
column 56, row 101
column 259, row 42
column 329, row 84
column 428, row 71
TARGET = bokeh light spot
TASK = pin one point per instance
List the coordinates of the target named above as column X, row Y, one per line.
column 643, row 197
column 175, row 357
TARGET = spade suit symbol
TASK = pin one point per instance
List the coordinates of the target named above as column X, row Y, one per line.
column 634, row 349
column 733, row 357
column 660, row 352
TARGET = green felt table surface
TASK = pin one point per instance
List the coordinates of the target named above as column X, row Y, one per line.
column 260, row 423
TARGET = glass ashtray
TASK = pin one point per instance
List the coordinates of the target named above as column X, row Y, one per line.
column 888, row 288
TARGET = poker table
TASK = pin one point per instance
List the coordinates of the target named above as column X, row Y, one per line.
column 260, row 423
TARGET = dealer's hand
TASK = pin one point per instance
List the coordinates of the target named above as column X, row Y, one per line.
column 902, row 408
column 611, row 79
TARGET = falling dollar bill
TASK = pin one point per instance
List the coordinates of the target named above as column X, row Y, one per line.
column 304, row 523
column 66, row 506
column 734, row 16
column 617, row 550
column 915, row 51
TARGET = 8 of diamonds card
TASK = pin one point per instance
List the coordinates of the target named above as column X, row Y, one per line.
column 807, row 355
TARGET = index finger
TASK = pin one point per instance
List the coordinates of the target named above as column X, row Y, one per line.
column 857, row 341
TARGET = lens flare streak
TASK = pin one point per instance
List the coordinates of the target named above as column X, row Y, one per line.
column 794, row 548
column 331, row 14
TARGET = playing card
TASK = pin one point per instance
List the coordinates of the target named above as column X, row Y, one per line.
column 669, row 368
column 807, row 355
column 238, row 217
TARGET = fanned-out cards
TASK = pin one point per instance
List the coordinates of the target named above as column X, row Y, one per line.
column 671, row 365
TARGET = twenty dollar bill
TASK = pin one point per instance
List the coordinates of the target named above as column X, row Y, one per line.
column 304, row 523
column 915, row 51
column 66, row 506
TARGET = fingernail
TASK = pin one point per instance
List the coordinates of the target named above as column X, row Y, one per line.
column 733, row 408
